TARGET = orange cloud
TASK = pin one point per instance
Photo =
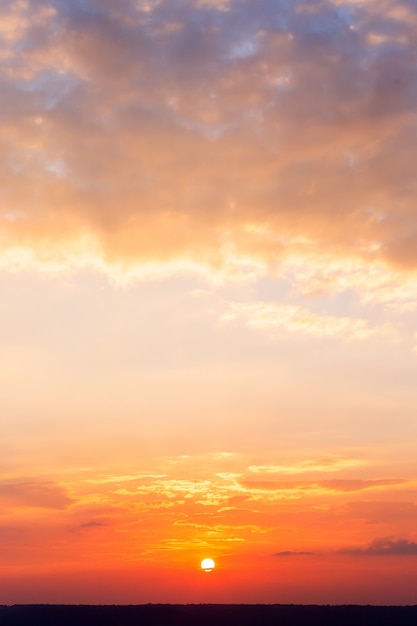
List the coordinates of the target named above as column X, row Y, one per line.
column 381, row 511
column 32, row 494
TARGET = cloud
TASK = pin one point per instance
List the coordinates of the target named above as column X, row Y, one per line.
column 386, row 547
column 34, row 494
column 232, row 489
column 91, row 524
column 9, row 534
column 140, row 135
column 381, row 511
column 360, row 485
column 94, row 524
column 298, row 488
column 296, row 319
column 324, row 273
column 320, row 465
column 290, row 553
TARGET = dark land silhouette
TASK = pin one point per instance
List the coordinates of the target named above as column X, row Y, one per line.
column 207, row 614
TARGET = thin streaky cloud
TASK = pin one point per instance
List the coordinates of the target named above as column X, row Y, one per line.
column 316, row 465
column 299, row 320
column 292, row 553
column 297, row 488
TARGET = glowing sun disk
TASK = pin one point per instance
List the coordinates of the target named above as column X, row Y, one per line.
column 208, row 565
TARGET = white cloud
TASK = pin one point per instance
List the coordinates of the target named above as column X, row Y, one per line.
column 296, row 319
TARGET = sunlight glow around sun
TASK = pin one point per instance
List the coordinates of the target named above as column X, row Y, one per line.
column 208, row 565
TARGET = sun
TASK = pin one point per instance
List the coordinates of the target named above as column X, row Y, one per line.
column 208, row 565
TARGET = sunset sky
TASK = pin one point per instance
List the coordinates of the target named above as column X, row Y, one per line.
column 208, row 313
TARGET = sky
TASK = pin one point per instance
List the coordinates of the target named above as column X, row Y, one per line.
column 208, row 278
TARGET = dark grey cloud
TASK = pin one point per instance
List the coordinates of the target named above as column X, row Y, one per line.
column 386, row 547
column 90, row 524
column 94, row 523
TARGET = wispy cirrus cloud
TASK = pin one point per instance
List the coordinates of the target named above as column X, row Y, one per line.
column 381, row 511
column 360, row 485
column 275, row 317
column 331, row 464
column 299, row 488
column 230, row 490
column 376, row 283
